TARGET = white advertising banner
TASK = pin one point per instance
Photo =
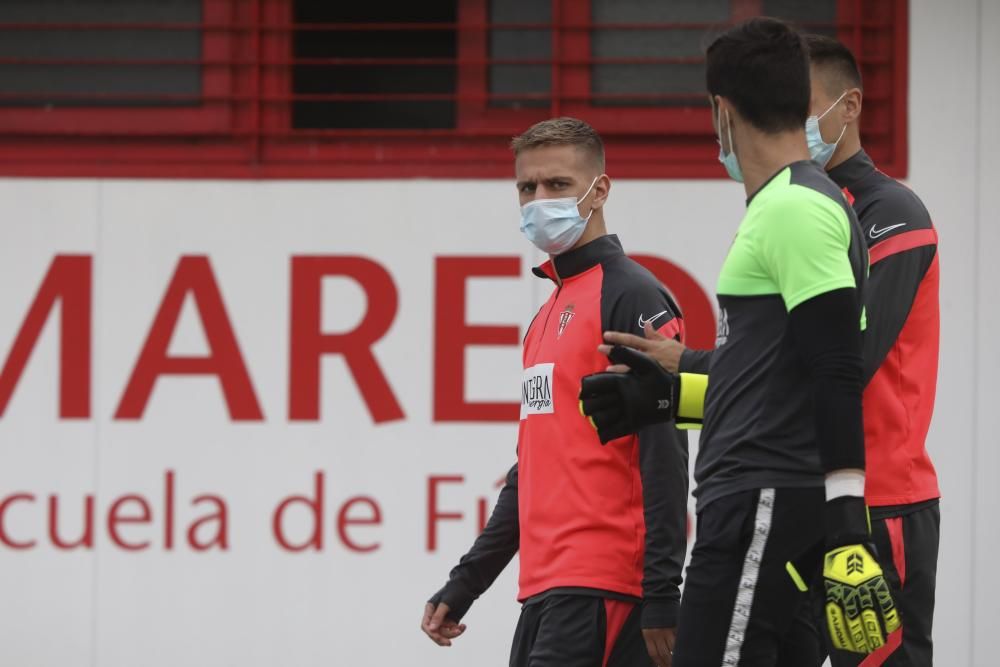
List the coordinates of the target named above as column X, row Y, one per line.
column 255, row 424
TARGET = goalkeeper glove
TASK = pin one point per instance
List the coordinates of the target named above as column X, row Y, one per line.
column 860, row 613
column 619, row 404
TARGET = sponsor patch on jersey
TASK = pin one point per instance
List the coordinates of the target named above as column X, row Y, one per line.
column 536, row 390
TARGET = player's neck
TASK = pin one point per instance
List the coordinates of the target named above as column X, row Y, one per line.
column 848, row 147
column 762, row 155
column 594, row 230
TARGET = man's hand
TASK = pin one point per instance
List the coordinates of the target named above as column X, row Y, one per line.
column 860, row 613
column 666, row 351
column 438, row 627
column 621, row 404
column 660, row 644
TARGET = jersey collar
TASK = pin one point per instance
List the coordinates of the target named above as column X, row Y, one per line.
column 577, row 261
column 849, row 172
column 773, row 176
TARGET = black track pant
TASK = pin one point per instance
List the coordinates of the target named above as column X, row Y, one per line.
column 908, row 552
column 740, row 606
column 579, row 631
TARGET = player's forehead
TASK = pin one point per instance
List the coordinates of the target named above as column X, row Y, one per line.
column 547, row 162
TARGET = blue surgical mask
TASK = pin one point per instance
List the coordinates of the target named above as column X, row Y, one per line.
column 555, row 225
column 729, row 160
column 819, row 150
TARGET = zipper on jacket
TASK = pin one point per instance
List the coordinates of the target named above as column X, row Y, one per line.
column 545, row 322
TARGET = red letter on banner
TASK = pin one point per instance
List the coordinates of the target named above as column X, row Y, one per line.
column 194, row 275
column 433, row 514
column 452, row 335
column 115, row 518
column 67, row 280
column 309, row 343
column 219, row 518
column 699, row 318
column 315, row 507
column 87, row 539
column 345, row 520
column 4, row 537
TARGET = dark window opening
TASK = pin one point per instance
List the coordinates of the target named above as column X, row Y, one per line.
column 676, row 75
column 814, row 16
column 664, row 66
column 359, row 76
column 516, row 84
column 73, row 65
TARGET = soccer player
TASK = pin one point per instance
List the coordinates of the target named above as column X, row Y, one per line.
column 900, row 353
column 601, row 530
column 781, row 465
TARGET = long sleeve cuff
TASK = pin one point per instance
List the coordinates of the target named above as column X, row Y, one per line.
column 458, row 599
column 660, row 612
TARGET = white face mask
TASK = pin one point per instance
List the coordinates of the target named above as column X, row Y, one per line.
column 819, row 150
column 555, row 225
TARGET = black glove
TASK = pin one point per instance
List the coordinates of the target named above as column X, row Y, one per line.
column 619, row 404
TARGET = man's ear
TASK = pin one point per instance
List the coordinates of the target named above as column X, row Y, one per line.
column 725, row 111
column 715, row 102
column 852, row 105
column 601, row 190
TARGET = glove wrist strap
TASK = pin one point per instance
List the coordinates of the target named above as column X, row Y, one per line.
column 846, row 521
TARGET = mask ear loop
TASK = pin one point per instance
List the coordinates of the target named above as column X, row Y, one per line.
column 718, row 123
column 842, row 132
column 820, row 117
column 729, row 131
column 592, row 184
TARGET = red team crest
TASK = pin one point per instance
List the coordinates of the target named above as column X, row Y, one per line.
column 565, row 317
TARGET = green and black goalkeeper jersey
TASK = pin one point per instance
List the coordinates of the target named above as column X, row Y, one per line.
column 799, row 239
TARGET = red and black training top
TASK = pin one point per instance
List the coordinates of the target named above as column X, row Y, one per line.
column 903, row 336
column 588, row 519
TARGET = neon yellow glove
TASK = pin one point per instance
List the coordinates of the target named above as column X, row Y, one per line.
column 860, row 613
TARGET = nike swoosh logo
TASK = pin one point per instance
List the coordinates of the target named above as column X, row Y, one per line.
column 642, row 322
column 875, row 232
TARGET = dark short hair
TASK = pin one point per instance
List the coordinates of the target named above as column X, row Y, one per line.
column 828, row 53
column 563, row 131
column 761, row 66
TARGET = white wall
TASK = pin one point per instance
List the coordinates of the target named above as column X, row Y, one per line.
column 256, row 604
column 984, row 578
column 955, row 83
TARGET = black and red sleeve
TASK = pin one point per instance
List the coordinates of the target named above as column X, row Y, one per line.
column 902, row 249
column 630, row 296
column 489, row 555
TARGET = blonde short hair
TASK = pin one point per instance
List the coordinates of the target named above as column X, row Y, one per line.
column 564, row 131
